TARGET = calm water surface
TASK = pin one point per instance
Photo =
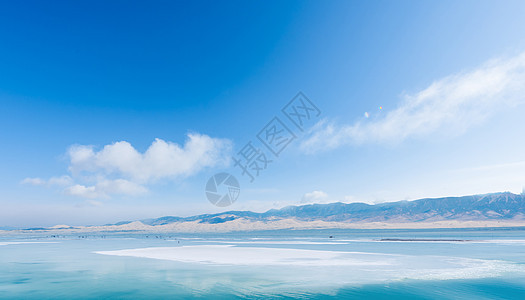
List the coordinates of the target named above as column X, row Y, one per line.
column 487, row 264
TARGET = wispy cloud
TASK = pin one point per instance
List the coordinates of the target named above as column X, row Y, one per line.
column 34, row 181
column 53, row 181
column 105, row 188
column 450, row 105
column 314, row 197
column 519, row 165
column 119, row 169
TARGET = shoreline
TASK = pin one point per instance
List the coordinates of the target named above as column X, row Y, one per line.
column 243, row 225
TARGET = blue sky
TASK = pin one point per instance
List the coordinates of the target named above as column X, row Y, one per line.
column 205, row 77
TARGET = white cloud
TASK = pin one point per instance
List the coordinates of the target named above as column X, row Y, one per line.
column 34, row 181
column 58, row 181
column 162, row 159
column 119, row 169
column 120, row 186
column 105, row 188
column 83, row 191
column 450, row 105
column 314, row 197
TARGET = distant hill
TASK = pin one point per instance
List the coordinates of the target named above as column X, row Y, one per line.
column 497, row 206
column 489, row 210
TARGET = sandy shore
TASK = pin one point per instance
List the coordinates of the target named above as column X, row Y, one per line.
column 247, row 225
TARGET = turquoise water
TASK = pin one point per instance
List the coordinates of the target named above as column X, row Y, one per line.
column 490, row 265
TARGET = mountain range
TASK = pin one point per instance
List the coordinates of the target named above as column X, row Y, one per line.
column 488, row 210
column 496, row 206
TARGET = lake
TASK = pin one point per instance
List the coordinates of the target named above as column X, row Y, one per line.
column 285, row 264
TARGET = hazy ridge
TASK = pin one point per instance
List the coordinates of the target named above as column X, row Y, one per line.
column 489, row 210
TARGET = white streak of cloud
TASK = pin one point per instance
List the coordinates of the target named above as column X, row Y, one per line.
column 450, row 105
column 60, row 181
column 53, row 181
column 83, row 191
column 105, row 188
column 34, row 181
